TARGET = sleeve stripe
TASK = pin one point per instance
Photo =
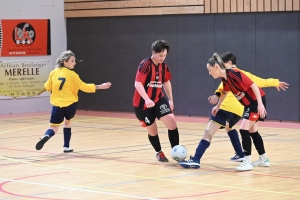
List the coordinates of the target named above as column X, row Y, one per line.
column 143, row 66
column 235, row 77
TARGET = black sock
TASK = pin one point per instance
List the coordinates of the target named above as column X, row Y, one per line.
column 246, row 141
column 258, row 142
column 173, row 137
column 154, row 140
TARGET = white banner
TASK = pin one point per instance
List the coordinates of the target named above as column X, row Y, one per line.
column 23, row 78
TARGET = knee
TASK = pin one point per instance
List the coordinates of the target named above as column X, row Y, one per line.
column 172, row 125
column 228, row 129
column 67, row 123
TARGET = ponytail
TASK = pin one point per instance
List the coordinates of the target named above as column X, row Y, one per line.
column 219, row 61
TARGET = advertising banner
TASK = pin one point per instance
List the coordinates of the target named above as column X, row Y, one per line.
column 23, row 78
column 25, row 37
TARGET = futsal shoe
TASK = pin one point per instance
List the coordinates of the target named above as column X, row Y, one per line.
column 245, row 166
column 161, row 157
column 261, row 163
column 68, row 149
column 41, row 143
column 237, row 158
column 190, row 163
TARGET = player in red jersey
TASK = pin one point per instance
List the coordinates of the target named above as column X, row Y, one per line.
column 149, row 102
column 250, row 96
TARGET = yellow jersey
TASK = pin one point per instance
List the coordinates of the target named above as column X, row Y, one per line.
column 64, row 84
column 231, row 104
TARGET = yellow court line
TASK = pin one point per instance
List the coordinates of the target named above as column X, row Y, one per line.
column 21, row 129
column 96, row 118
column 151, row 178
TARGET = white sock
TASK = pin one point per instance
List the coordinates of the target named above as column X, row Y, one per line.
column 248, row 158
column 263, row 157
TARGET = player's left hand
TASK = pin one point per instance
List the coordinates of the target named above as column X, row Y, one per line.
column 283, row 86
column 261, row 110
column 171, row 105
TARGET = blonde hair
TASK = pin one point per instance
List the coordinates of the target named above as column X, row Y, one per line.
column 215, row 59
column 65, row 56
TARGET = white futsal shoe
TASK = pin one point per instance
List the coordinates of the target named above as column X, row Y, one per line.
column 68, row 149
column 245, row 166
column 261, row 163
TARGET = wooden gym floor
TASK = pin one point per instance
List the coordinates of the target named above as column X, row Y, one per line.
column 113, row 159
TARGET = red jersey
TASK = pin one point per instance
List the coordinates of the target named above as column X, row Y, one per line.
column 152, row 78
column 239, row 84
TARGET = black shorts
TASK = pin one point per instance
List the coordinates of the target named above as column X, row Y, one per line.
column 147, row 116
column 58, row 114
column 251, row 113
column 224, row 116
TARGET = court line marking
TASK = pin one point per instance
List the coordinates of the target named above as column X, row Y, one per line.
column 72, row 188
column 153, row 178
column 107, row 118
column 196, row 195
column 61, row 187
column 89, row 187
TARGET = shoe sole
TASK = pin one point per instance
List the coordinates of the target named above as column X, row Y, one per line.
column 238, row 160
column 68, row 151
column 261, row 165
column 164, row 160
column 242, row 170
column 190, row 166
column 41, row 143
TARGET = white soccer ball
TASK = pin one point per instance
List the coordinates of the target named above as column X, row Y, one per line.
column 179, row 153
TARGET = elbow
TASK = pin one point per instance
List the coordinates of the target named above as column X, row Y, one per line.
column 136, row 83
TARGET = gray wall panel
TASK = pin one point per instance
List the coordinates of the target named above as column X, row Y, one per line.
column 277, row 56
column 195, row 44
column 236, row 33
column 113, row 47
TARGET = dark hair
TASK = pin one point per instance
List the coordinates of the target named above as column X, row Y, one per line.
column 215, row 59
column 228, row 57
column 65, row 56
column 159, row 46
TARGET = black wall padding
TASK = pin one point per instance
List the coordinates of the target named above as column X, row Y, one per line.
column 266, row 44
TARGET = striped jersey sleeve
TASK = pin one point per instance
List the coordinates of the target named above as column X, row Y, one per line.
column 143, row 70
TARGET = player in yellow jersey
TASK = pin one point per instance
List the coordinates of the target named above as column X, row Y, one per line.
column 64, row 84
column 231, row 104
column 229, row 114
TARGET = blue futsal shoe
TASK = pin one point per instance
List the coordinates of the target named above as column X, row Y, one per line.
column 237, row 158
column 190, row 163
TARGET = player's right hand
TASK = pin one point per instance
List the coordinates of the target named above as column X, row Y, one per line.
column 213, row 99
column 149, row 103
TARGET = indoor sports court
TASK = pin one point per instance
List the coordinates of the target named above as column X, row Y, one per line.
column 112, row 160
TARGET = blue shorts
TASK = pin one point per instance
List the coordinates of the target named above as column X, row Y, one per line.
column 223, row 116
column 58, row 114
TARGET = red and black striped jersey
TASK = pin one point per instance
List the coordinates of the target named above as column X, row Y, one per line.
column 239, row 84
column 152, row 77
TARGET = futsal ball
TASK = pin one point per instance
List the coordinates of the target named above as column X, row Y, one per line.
column 179, row 153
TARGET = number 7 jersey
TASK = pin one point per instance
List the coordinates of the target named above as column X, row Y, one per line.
column 64, row 85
